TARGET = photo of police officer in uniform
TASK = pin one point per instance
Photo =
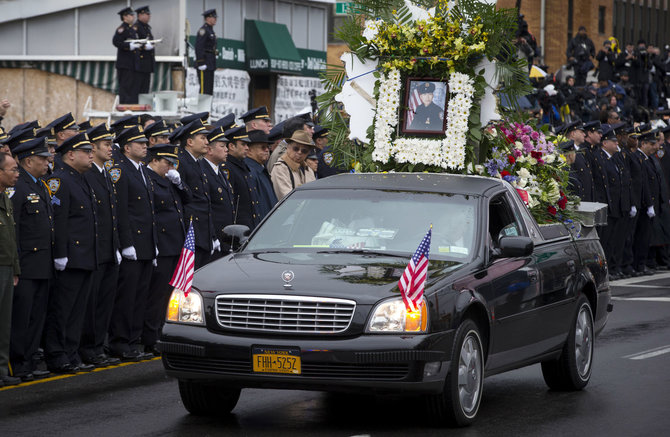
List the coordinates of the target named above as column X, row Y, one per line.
column 426, row 103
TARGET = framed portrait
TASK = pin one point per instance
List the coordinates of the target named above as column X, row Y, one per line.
column 425, row 106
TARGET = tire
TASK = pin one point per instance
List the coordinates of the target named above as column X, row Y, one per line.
column 572, row 370
column 459, row 402
column 207, row 400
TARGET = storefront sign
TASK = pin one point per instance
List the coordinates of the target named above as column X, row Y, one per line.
column 231, row 91
column 293, row 95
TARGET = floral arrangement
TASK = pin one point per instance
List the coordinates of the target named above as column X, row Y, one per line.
column 529, row 161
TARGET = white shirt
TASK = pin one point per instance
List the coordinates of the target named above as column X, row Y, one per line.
column 214, row 166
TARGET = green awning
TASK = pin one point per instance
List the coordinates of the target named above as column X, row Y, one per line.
column 270, row 48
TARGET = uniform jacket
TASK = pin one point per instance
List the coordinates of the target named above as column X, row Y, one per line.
column 107, row 210
column 221, row 193
column 326, row 163
column 125, row 58
column 146, row 58
column 34, row 219
column 623, row 162
column 653, row 183
column 614, row 183
column 244, row 195
column 265, row 192
column 74, row 218
column 8, row 253
column 169, row 214
column 136, row 213
column 199, row 205
column 600, row 187
column 582, row 169
column 429, row 117
column 288, row 174
column 205, row 47
column 640, row 195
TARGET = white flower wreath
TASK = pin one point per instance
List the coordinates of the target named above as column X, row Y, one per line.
column 448, row 152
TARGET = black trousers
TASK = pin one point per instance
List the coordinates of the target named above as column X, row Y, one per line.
column 129, row 86
column 624, row 248
column 65, row 317
column 99, row 310
column 157, row 302
column 641, row 240
column 206, row 78
column 144, row 80
column 127, row 320
column 29, row 312
column 202, row 257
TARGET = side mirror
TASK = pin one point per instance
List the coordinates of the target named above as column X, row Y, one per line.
column 241, row 232
column 511, row 247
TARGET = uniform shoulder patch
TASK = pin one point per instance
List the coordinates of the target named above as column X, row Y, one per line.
column 109, row 164
column 201, row 32
column 9, row 191
column 328, row 158
column 54, row 185
column 115, row 174
column 120, row 29
column 227, row 173
column 660, row 153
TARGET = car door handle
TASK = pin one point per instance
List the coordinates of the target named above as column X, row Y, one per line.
column 532, row 276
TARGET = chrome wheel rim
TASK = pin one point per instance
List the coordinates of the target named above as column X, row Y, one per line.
column 584, row 342
column 470, row 374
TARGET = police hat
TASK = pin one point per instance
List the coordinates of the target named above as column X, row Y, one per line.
column 258, row 136
column 77, row 142
column 567, row 146
column 209, row 13
column 175, row 134
column 157, row 129
column 125, row 123
column 593, row 126
column 426, row 88
column 126, row 11
column 217, row 134
column 133, row 134
column 569, row 127
column 204, row 116
column 33, row 147
column 277, row 132
column 167, row 151
column 238, row 133
column 20, row 137
column 99, row 133
column 260, row 113
column 23, row 126
column 194, row 127
column 226, row 122
column 64, row 122
column 608, row 133
column 320, row 131
column 650, row 136
column 85, row 125
column 143, row 10
column 307, row 116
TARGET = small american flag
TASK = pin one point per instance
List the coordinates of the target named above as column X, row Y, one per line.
column 414, row 277
column 414, row 102
column 183, row 274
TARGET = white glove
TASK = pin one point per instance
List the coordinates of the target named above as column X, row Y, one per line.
column 173, row 176
column 60, row 263
column 118, row 257
column 155, row 262
column 650, row 212
column 216, row 245
column 134, row 45
column 148, row 46
column 633, row 211
column 156, row 251
column 129, row 253
column 202, row 68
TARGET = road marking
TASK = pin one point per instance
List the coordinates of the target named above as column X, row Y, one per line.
column 643, row 299
column 636, row 279
column 665, row 287
column 651, row 353
column 57, row 377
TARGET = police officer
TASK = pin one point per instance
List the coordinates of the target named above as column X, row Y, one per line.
column 171, row 232
column 157, row 133
column 33, row 215
column 582, row 168
column 257, row 119
column 103, row 289
column 75, row 255
column 244, row 195
column 428, row 116
column 127, row 57
column 220, row 191
column 194, row 145
column 146, row 52
column 257, row 156
column 206, row 52
column 138, row 241
column 650, row 203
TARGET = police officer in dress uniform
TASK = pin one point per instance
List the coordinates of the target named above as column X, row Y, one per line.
column 574, row 185
column 138, row 241
column 582, row 168
column 75, row 255
column 146, row 53
column 623, row 160
column 661, row 226
column 157, row 133
column 194, row 145
column 103, row 290
column 244, row 196
column 257, row 156
column 119, row 126
column 33, row 215
column 257, row 119
column 127, row 57
column 650, row 204
column 220, row 191
column 206, row 52
column 169, row 195
column 428, row 116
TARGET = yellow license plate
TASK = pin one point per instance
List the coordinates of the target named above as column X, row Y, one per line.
column 276, row 360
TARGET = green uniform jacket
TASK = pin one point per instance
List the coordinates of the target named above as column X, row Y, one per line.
column 9, row 256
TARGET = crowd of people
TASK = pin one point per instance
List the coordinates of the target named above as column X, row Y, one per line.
column 93, row 220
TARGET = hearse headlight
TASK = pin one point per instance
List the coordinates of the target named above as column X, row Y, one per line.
column 186, row 309
column 392, row 316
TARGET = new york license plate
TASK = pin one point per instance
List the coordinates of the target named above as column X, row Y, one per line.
column 276, row 360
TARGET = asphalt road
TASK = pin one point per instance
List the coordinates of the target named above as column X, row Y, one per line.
column 629, row 395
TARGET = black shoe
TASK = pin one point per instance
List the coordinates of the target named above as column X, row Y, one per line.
column 662, row 267
column 10, row 380
column 95, row 361
column 648, row 271
column 85, row 367
column 152, row 350
column 145, row 356
column 127, row 356
column 25, row 377
column 109, row 361
column 41, row 374
column 64, row 369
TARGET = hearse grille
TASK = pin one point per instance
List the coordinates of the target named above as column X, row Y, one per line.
column 291, row 314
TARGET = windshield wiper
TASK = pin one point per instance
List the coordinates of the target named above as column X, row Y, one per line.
column 367, row 252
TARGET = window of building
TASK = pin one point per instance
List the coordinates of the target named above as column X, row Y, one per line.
column 601, row 19
column 571, row 12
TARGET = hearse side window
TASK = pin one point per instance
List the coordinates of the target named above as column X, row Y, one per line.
column 502, row 220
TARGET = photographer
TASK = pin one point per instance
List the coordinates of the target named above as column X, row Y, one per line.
column 606, row 59
column 579, row 54
column 643, row 73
